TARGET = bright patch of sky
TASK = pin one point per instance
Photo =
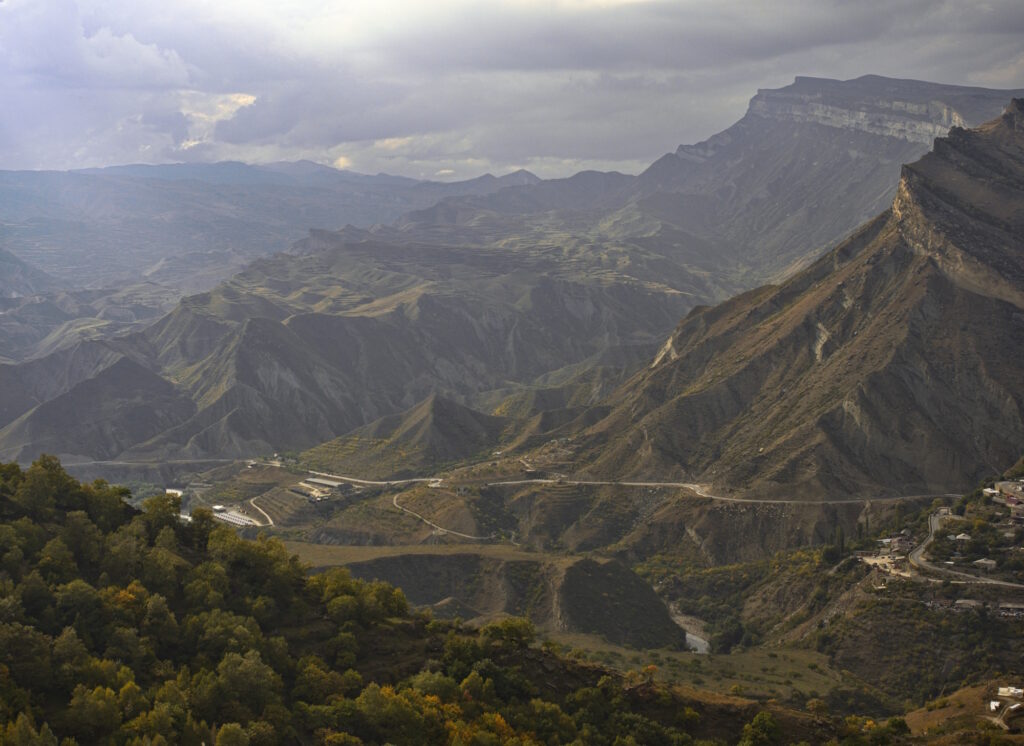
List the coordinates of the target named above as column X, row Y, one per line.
column 450, row 88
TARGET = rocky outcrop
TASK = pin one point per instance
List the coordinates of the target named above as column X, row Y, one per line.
column 890, row 366
column 813, row 101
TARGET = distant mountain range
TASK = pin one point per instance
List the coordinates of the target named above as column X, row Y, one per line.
column 120, row 246
column 532, row 301
column 190, row 225
column 806, row 165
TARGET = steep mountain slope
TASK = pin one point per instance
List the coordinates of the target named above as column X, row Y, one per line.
column 123, row 404
column 25, row 386
column 892, row 365
column 18, row 278
column 804, row 167
column 302, row 348
column 415, row 442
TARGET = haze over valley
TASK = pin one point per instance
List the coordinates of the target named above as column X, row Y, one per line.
column 609, row 444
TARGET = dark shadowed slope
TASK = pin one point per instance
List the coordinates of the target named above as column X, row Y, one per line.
column 892, row 365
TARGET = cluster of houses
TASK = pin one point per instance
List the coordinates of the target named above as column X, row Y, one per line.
column 900, row 544
column 985, row 563
column 1003, row 609
column 1011, row 494
column 1007, row 705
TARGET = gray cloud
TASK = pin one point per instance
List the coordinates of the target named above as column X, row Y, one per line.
column 456, row 87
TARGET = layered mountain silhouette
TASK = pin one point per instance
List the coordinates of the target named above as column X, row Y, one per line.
column 302, row 348
column 892, row 365
column 33, row 326
column 533, row 301
column 804, row 167
column 188, row 226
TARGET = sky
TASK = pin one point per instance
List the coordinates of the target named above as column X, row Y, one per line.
column 448, row 89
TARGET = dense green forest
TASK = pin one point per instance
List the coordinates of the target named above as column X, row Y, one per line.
column 137, row 627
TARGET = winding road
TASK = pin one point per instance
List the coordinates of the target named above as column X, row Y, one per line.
column 270, row 521
column 433, row 525
column 701, row 490
column 371, row 482
column 695, row 488
column 916, row 558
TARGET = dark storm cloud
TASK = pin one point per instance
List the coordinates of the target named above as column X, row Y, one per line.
column 457, row 87
column 680, row 36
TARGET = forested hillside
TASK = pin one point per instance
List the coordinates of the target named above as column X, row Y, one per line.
column 128, row 627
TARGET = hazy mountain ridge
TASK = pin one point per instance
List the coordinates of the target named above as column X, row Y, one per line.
column 302, row 348
column 191, row 225
column 360, row 324
column 37, row 325
column 803, row 168
column 19, row 278
column 892, row 365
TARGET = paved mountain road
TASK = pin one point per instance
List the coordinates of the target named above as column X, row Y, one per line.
column 696, row 488
column 916, row 558
column 702, row 491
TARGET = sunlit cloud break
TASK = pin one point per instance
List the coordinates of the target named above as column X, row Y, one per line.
column 434, row 90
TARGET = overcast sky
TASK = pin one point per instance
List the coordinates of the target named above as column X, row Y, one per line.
column 443, row 88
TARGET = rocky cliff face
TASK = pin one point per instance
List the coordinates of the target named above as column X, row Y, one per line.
column 805, row 166
column 811, row 101
column 890, row 366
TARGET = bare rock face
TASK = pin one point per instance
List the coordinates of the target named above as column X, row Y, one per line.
column 911, row 113
column 803, row 168
column 893, row 365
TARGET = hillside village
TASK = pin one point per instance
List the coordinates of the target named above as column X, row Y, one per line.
column 977, row 542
